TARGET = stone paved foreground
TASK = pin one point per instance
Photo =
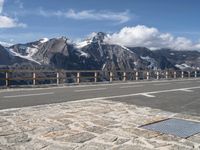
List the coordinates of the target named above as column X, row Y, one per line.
column 88, row 125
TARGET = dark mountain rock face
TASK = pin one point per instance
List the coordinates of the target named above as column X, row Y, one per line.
column 94, row 54
column 4, row 56
column 7, row 58
column 191, row 58
column 161, row 62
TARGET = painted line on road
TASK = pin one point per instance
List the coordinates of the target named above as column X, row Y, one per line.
column 133, row 86
column 102, row 84
column 147, row 95
column 162, row 84
column 111, row 97
column 28, row 95
column 186, row 90
column 88, row 90
column 138, row 94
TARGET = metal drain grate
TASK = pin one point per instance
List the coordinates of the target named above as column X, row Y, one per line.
column 177, row 127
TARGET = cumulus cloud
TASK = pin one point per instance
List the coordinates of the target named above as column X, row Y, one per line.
column 8, row 22
column 120, row 17
column 150, row 37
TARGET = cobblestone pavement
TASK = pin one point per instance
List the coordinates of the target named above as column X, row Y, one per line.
column 88, row 125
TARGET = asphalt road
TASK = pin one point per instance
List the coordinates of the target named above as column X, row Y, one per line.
column 179, row 96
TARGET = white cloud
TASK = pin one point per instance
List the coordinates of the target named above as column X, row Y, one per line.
column 7, row 22
column 151, row 38
column 1, row 5
column 120, row 17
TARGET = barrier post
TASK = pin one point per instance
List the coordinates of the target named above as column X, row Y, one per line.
column 166, row 75
column 58, row 78
column 95, row 77
column 182, row 74
column 78, row 77
column 157, row 75
column 137, row 75
column 147, row 75
column 34, row 78
column 7, row 79
column 175, row 75
column 111, row 76
column 124, row 76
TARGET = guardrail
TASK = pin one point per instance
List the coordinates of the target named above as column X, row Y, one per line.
column 9, row 78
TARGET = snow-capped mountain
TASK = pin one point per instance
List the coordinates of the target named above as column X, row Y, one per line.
column 95, row 53
column 8, row 57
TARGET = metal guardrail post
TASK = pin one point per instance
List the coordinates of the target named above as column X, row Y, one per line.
column 78, row 77
column 182, row 74
column 34, row 78
column 7, row 79
column 166, row 74
column 58, row 78
column 157, row 74
column 124, row 76
column 111, row 76
column 137, row 75
column 175, row 75
column 195, row 74
column 147, row 75
column 95, row 77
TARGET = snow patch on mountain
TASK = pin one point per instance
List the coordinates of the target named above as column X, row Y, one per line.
column 44, row 40
column 83, row 54
column 28, row 57
column 82, row 44
column 126, row 49
column 182, row 66
column 31, row 51
column 5, row 44
column 152, row 61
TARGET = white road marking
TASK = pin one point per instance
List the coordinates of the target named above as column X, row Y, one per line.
column 136, row 94
column 88, row 90
column 28, row 95
column 147, row 95
column 161, row 84
column 186, row 90
column 110, row 97
column 102, row 84
column 123, row 87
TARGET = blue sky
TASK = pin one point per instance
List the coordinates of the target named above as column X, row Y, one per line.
column 28, row 20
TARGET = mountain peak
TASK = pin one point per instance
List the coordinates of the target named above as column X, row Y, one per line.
column 44, row 40
column 100, row 36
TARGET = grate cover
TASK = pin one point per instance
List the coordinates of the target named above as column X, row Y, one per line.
column 177, row 127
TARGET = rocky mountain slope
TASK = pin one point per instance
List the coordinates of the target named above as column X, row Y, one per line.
column 8, row 57
column 95, row 54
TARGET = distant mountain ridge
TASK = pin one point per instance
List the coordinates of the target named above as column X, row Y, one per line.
column 95, row 54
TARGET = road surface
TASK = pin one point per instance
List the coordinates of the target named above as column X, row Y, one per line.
column 179, row 96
